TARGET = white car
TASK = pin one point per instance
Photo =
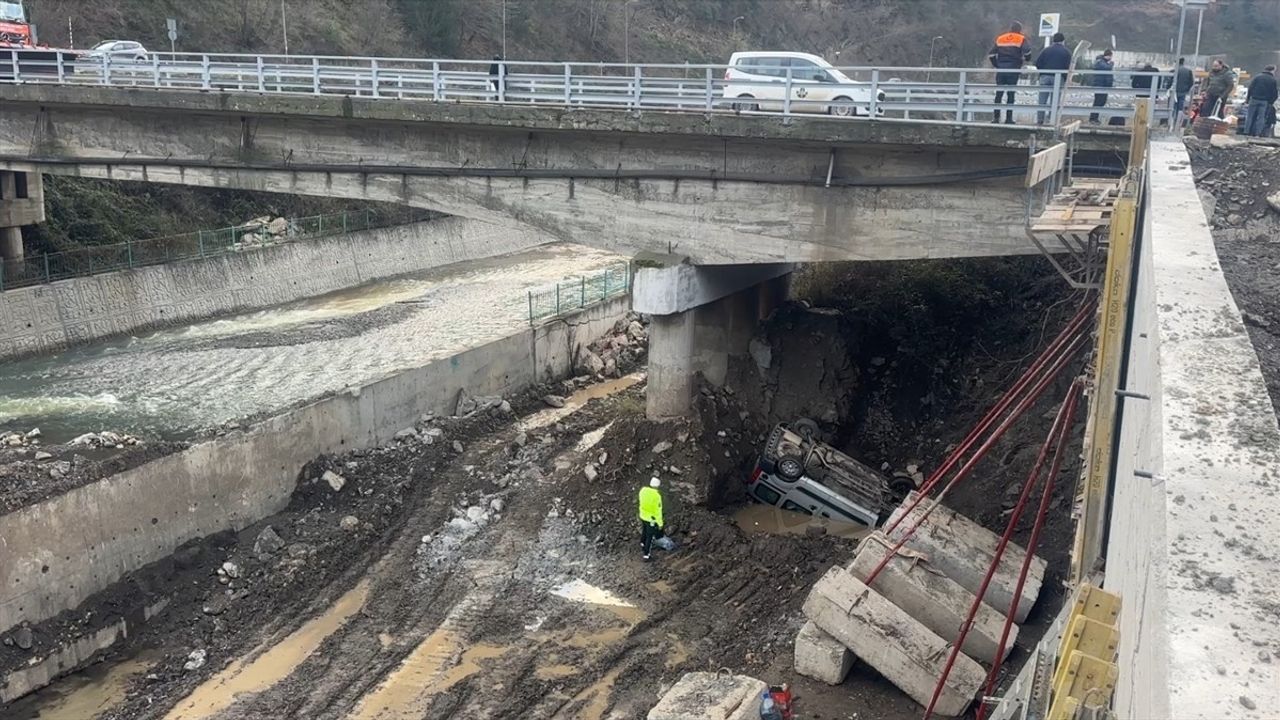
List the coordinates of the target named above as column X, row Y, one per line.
column 758, row 81
column 118, row 51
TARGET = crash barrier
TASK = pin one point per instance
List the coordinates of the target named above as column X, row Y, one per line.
column 572, row 294
column 876, row 93
column 93, row 260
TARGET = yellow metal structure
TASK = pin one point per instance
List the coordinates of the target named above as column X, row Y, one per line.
column 1113, row 315
column 1086, row 672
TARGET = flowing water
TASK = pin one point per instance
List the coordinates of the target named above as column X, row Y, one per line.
column 172, row 383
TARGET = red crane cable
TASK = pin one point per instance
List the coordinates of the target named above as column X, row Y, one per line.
column 1044, row 382
column 1064, row 435
column 1084, row 313
column 1027, row 487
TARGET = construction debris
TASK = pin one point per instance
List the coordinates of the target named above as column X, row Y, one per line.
column 822, row 657
column 711, row 696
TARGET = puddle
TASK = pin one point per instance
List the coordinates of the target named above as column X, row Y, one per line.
column 555, row 671
column 757, row 518
column 272, row 666
column 584, row 592
column 399, row 695
column 575, row 401
column 468, row 665
column 583, row 640
column 84, row 695
column 597, row 696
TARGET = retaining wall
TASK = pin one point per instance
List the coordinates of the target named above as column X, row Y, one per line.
column 44, row 318
column 57, row 553
column 1195, row 519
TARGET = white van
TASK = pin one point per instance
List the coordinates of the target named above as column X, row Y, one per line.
column 758, row 81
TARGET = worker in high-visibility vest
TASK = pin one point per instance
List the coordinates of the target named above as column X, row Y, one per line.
column 650, row 515
column 1009, row 53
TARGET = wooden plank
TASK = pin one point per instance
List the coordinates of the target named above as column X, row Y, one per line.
column 1046, row 163
column 1071, row 127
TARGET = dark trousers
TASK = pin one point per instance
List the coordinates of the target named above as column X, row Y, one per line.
column 1211, row 106
column 648, row 533
column 1099, row 100
column 1005, row 96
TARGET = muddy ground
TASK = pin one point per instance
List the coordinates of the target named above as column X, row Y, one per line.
column 1235, row 183
column 430, row 584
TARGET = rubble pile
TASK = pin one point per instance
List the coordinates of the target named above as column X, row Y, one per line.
column 618, row 352
column 104, row 439
column 1239, row 184
column 14, row 438
column 265, row 230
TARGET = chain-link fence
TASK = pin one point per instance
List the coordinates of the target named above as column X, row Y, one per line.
column 45, row 268
column 573, row 294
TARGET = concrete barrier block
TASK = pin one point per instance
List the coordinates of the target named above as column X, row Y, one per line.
column 711, row 696
column 911, row 582
column 898, row 646
column 963, row 550
column 820, row 656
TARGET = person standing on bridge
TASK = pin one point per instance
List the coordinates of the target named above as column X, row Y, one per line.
column 1053, row 64
column 496, row 71
column 1011, row 51
column 1217, row 91
column 1182, row 83
column 1262, row 100
column 650, row 516
column 1103, row 68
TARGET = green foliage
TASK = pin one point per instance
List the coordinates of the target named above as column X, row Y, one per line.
column 434, row 25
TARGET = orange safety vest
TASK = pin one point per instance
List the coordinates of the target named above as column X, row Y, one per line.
column 1011, row 39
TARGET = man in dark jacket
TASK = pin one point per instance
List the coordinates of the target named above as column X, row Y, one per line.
column 1102, row 78
column 1217, row 90
column 1181, row 86
column 1053, row 64
column 1262, row 96
column 1010, row 52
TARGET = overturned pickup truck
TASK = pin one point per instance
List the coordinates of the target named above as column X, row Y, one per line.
column 797, row 472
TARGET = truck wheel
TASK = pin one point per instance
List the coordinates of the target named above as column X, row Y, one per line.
column 745, row 106
column 843, row 107
column 806, row 428
column 790, row 467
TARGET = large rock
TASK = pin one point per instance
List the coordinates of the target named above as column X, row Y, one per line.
column 898, row 646
column 268, row 542
column 820, row 656
column 963, row 550
column 711, row 696
column 1274, row 201
column 278, row 226
column 911, row 582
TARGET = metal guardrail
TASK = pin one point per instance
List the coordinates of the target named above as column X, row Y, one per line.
column 94, row 260
column 574, row 294
column 950, row 95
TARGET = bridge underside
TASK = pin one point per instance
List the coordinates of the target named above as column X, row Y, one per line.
column 794, row 196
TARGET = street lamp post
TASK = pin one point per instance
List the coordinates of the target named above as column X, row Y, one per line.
column 929, row 74
column 626, row 31
column 504, row 29
column 284, row 28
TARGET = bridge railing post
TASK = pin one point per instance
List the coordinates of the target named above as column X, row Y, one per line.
column 961, row 91
column 1056, row 110
column 262, row 79
column 373, row 76
column 206, row 81
column 709, row 96
column 786, row 96
column 568, row 84
column 635, row 90
column 13, row 59
column 435, row 80
column 106, row 68
column 875, row 92
column 315, row 75
column 502, row 82
column 155, row 69
column 62, row 69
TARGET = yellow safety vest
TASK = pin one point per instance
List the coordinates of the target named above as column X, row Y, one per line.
column 651, row 505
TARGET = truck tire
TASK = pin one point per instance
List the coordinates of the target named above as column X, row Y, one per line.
column 806, row 428
column 790, row 467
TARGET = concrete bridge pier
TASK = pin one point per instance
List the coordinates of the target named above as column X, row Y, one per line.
column 21, row 203
column 702, row 316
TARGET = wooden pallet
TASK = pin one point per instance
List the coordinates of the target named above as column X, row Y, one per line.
column 1075, row 224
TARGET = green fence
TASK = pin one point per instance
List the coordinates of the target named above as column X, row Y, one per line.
column 37, row 269
column 575, row 293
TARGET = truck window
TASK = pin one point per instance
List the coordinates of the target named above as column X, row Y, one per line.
column 766, row 494
column 788, row 505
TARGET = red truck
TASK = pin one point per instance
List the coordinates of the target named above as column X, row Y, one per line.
column 18, row 42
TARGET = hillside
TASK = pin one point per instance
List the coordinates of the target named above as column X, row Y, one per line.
column 849, row 32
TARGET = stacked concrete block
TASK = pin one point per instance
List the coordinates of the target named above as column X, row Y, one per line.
column 910, row 581
column 898, row 646
column 820, row 656
column 963, row 550
column 711, row 696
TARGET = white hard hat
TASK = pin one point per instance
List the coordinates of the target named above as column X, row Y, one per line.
column 655, row 482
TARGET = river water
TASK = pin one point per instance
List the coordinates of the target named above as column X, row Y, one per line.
column 173, row 383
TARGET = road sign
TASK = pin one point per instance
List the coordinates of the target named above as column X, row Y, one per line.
column 1049, row 23
column 173, row 28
